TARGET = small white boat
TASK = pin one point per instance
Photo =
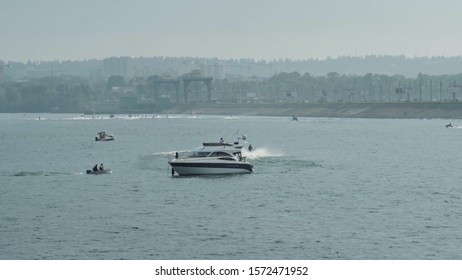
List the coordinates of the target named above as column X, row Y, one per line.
column 103, row 136
column 213, row 158
column 99, row 172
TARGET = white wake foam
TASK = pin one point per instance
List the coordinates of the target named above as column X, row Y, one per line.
column 261, row 153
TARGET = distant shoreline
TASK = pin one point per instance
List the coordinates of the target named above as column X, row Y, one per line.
column 398, row 110
column 430, row 110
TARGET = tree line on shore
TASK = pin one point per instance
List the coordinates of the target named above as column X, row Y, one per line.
column 76, row 94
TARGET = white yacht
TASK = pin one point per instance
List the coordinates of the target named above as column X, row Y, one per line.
column 213, row 158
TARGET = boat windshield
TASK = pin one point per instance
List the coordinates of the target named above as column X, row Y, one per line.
column 219, row 154
column 199, row 154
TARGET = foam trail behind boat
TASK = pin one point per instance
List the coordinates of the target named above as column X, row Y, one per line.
column 261, row 153
column 169, row 154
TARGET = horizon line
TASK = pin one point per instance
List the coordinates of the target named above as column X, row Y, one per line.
column 237, row 59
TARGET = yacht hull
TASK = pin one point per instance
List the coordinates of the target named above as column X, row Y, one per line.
column 210, row 168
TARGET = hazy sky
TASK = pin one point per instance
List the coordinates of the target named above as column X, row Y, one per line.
column 261, row 29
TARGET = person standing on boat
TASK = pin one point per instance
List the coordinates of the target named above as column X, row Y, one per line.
column 101, row 167
column 95, row 168
column 221, row 140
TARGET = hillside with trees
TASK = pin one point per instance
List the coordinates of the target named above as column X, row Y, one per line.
column 49, row 87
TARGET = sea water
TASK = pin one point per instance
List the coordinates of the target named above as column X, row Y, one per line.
column 323, row 188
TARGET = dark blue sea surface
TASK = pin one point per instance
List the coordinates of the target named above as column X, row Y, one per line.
column 322, row 189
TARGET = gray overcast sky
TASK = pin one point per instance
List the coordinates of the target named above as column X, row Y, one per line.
column 259, row 29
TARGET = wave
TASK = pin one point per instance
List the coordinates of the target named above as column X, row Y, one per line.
column 53, row 117
column 163, row 153
column 254, row 154
column 170, row 153
column 261, row 153
column 38, row 173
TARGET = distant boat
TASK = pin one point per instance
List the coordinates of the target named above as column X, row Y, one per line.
column 294, row 118
column 99, row 172
column 103, row 136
